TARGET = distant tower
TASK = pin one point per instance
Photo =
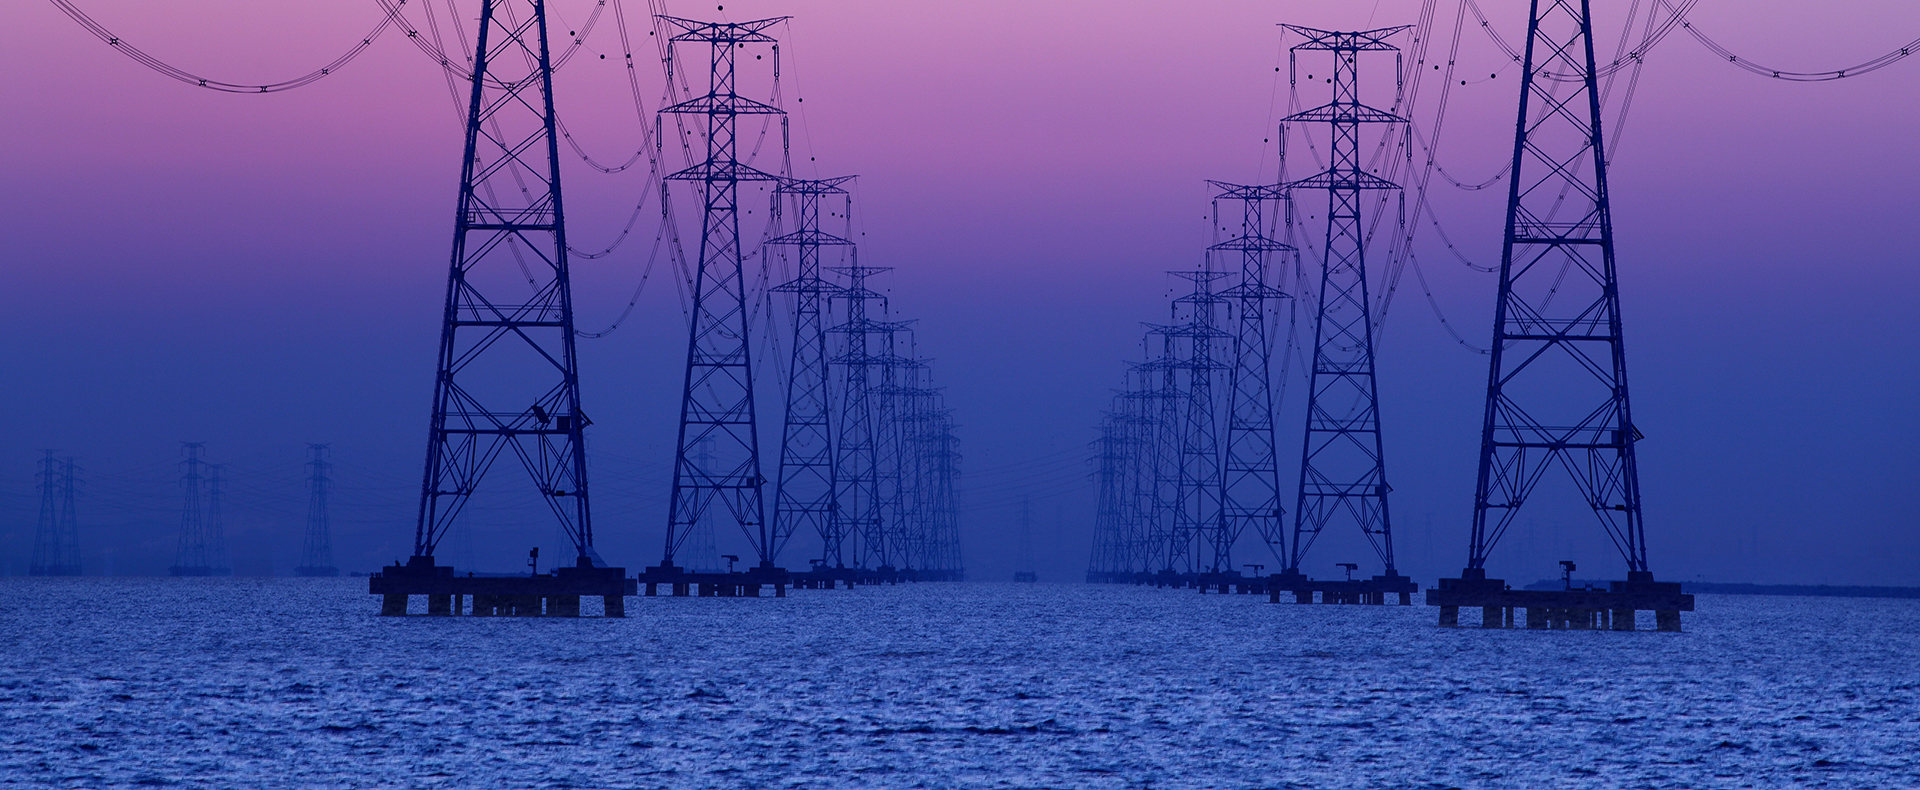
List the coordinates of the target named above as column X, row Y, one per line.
column 1343, row 475
column 1024, row 570
column 717, row 400
column 1197, row 515
column 1250, row 479
column 316, row 555
column 890, row 546
column 202, row 551
column 508, row 381
column 804, row 494
column 856, row 463
column 56, row 542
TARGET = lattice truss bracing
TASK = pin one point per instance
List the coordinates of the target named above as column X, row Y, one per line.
column 804, row 495
column 717, row 403
column 1557, row 385
column 1250, row 475
column 316, row 551
column 507, row 380
column 56, row 539
column 1343, row 471
column 858, row 508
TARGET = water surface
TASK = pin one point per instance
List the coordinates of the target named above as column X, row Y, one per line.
column 245, row 683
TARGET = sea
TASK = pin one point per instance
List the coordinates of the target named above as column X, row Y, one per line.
column 296, row 683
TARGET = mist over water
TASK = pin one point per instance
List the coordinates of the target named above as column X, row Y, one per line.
column 243, row 683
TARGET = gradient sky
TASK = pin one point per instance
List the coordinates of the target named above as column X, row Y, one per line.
column 258, row 272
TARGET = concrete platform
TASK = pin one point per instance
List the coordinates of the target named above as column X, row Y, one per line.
column 1612, row 608
column 555, row 594
column 1372, row 591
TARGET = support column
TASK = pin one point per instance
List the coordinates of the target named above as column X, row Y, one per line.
column 1623, row 620
column 392, row 605
column 1536, row 618
column 440, row 605
column 1490, row 617
column 1449, row 617
column 616, row 605
column 1667, row 620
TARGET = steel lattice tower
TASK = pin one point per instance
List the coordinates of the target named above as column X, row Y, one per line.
column 1342, row 468
column 804, row 493
column 1197, row 513
column 507, row 377
column 1557, row 381
column 56, row 542
column 717, row 400
column 1250, row 480
column 856, row 462
column 1109, row 521
column 316, row 554
column 890, row 551
column 201, row 550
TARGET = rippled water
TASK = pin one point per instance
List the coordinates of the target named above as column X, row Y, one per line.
column 234, row 683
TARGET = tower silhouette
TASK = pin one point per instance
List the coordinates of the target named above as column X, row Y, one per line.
column 507, row 380
column 717, row 401
column 1342, row 468
column 804, row 493
column 1197, row 517
column 56, row 541
column 857, row 472
column 202, row 548
column 1557, row 376
column 1250, row 476
column 316, row 552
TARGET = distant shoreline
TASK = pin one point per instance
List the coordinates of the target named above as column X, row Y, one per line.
column 1726, row 588
column 1820, row 590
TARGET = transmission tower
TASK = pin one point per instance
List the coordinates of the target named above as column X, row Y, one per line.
column 1109, row 529
column 1557, row 380
column 201, row 551
column 56, row 542
column 1250, row 481
column 1342, row 469
column 857, row 470
column 507, row 378
column 804, row 493
column 717, row 399
column 1557, row 377
column 891, row 551
column 1197, row 514
column 316, row 554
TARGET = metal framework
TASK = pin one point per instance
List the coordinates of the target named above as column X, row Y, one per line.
column 856, row 454
column 1342, row 468
column 1557, row 381
column 717, row 403
column 1250, row 479
column 202, row 549
column 316, row 554
column 56, row 541
column 804, row 492
column 507, row 377
column 1189, row 367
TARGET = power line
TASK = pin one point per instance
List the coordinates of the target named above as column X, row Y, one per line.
column 140, row 56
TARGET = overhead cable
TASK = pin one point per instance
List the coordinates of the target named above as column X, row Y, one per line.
column 140, row 56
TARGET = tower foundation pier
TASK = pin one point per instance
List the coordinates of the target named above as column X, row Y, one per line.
column 1593, row 609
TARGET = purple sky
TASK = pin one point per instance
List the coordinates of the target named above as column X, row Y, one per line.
column 258, row 272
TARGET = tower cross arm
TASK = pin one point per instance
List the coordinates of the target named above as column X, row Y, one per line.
column 1342, row 179
column 1343, row 112
column 1362, row 40
column 724, row 32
